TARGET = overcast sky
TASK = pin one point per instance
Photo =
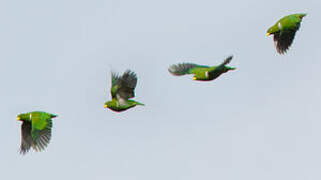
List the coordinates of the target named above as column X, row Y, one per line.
column 261, row 121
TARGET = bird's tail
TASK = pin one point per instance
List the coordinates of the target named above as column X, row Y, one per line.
column 138, row 103
column 53, row 115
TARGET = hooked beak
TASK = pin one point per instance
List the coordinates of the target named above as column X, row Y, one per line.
column 194, row 78
column 105, row 106
column 18, row 118
column 268, row 34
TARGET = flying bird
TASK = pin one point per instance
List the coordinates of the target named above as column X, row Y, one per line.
column 122, row 90
column 201, row 72
column 284, row 31
column 35, row 130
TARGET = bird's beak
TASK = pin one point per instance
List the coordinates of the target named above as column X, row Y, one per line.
column 232, row 68
column 105, row 106
column 268, row 34
column 194, row 78
column 18, row 118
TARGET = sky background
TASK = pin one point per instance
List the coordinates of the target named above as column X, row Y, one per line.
column 261, row 121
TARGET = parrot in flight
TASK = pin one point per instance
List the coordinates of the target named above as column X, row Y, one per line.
column 122, row 90
column 201, row 72
column 35, row 130
column 284, row 31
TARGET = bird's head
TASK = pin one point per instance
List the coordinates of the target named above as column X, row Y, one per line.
column 19, row 117
column 272, row 30
column 107, row 104
column 24, row 117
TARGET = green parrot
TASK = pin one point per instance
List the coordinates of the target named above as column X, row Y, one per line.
column 35, row 130
column 201, row 72
column 284, row 31
column 122, row 89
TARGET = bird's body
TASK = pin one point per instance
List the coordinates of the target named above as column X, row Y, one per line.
column 121, row 91
column 35, row 130
column 201, row 72
column 115, row 105
column 284, row 31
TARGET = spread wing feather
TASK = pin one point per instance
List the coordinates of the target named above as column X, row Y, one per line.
column 283, row 41
column 115, row 78
column 123, row 87
column 227, row 61
column 183, row 68
column 26, row 139
column 41, row 137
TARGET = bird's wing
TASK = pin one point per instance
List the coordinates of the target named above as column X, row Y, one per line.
column 283, row 41
column 184, row 68
column 26, row 139
column 226, row 61
column 126, row 86
column 115, row 78
column 41, row 132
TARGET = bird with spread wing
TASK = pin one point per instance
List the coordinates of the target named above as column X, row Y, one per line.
column 122, row 90
column 284, row 31
column 201, row 72
column 35, row 130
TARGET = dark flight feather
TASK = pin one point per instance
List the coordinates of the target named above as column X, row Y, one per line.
column 26, row 139
column 41, row 138
column 227, row 61
column 126, row 85
column 283, row 41
column 182, row 68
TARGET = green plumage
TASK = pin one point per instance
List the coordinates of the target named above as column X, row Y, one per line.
column 35, row 130
column 284, row 31
column 201, row 72
column 122, row 89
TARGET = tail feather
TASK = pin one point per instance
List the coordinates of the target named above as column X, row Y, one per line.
column 141, row 104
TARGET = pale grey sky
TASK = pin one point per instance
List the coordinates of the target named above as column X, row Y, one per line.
column 261, row 121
